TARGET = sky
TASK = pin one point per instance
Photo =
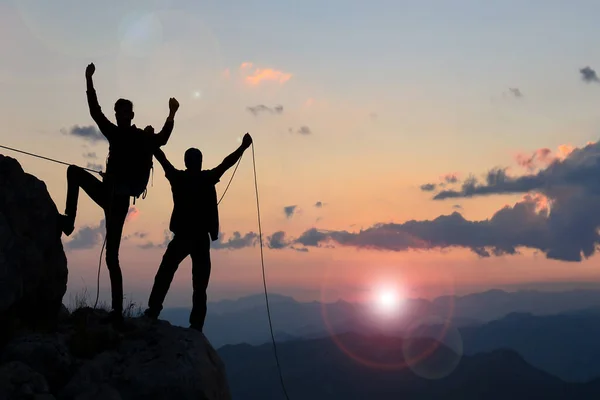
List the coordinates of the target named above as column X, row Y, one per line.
column 436, row 147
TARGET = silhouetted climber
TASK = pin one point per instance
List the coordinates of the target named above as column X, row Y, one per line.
column 127, row 173
column 195, row 217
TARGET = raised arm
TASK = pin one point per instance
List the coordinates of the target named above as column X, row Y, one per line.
column 104, row 125
column 163, row 136
column 162, row 159
column 231, row 159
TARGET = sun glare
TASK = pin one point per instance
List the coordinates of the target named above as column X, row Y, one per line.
column 387, row 300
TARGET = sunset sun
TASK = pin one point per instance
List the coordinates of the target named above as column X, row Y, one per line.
column 387, row 300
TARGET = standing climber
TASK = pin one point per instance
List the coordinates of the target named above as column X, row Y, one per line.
column 195, row 217
column 127, row 173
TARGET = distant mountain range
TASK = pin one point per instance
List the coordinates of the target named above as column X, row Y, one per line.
column 245, row 320
column 317, row 369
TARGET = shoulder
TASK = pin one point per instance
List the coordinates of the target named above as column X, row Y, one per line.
column 211, row 175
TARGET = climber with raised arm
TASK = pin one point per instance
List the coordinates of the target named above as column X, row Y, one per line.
column 194, row 222
column 127, row 173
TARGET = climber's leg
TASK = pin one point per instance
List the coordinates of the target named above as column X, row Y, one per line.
column 115, row 213
column 177, row 250
column 201, row 267
column 77, row 178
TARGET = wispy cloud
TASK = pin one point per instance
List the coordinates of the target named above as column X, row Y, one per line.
column 261, row 108
column 256, row 76
column 303, row 130
column 94, row 166
column 89, row 133
column 516, row 92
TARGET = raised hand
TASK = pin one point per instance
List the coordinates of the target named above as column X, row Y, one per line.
column 89, row 71
column 246, row 140
column 173, row 105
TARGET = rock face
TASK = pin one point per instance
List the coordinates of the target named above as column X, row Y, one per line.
column 33, row 265
column 77, row 357
column 86, row 359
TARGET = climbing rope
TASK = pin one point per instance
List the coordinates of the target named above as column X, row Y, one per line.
column 262, row 260
column 48, row 159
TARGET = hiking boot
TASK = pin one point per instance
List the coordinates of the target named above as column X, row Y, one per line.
column 67, row 224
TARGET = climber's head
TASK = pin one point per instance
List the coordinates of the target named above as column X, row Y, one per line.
column 124, row 112
column 193, row 159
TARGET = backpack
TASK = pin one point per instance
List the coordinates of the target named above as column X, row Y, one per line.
column 135, row 163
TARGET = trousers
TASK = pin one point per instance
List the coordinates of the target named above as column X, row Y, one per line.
column 182, row 245
column 116, row 207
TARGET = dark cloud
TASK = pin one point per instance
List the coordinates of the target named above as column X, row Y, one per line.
column 138, row 235
column 89, row 133
column 588, row 75
column 237, row 241
column 457, row 207
column 261, row 108
column 300, row 249
column 94, row 166
column 516, row 92
column 277, row 240
column 571, row 186
column 558, row 216
column 289, row 211
column 428, row 187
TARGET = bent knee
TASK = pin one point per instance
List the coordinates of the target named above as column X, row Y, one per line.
column 73, row 171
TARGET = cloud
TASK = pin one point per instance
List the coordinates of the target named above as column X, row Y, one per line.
column 87, row 237
column 516, row 92
column 132, row 213
column 289, row 211
column 457, row 207
column 139, row 235
column 303, row 130
column 89, row 133
column 450, row 178
column 91, row 155
column 237, row 241
column 541, row 156
column 558, row 215
column 259, row 75
column 570, row 188
column 428, row 187
column 94, row 166
column 278, row 109
column 277, row 241
column 167, row 237
column 588, row 75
